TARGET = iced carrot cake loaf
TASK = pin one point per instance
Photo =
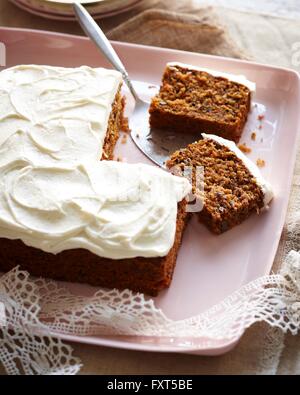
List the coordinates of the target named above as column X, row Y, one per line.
column 64, row 213
column 195, row 99
column 233, row 186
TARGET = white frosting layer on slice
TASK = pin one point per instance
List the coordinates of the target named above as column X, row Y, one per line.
column 253, row 169
column 55, row 194
column 241, row 79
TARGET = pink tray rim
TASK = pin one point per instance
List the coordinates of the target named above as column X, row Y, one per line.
column 152, row 48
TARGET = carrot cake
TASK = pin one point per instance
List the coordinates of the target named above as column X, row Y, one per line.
column 195, row 99
column 233, row 186
column 64, row 213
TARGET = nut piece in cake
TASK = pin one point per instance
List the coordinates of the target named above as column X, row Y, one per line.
column 233, row 185
column 196, row 100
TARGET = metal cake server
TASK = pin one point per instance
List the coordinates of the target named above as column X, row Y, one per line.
column 157, row 145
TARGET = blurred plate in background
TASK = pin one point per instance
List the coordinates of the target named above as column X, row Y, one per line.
column 62, row 9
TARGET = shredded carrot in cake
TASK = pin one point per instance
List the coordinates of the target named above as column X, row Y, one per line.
column 244, row 148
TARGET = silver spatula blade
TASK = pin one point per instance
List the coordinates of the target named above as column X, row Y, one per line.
column 156, row 144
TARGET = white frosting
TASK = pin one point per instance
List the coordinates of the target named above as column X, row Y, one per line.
column 55, row 194
column 241, row 79
column 253, row 169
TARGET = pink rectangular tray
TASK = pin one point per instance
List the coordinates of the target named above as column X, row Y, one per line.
column 209, row 267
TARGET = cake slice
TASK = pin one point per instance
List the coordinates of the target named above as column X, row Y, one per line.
column 196, row 100
column 66, row 214
column 233, row 185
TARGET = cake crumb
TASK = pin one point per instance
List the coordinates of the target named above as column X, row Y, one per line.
column 260, row 117
column 137, row 136
column 124, row 139
column 244, row 148
column 260, row 162
column 119, row 159
column 125, row 125
column 151, row 86
column 253, row 136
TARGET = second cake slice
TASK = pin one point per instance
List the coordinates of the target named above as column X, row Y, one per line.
column 233, row 186
column 196, row 100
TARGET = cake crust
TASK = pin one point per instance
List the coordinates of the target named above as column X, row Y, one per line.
column 193, row 101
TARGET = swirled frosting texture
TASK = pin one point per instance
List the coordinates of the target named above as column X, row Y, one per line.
column 55, row 194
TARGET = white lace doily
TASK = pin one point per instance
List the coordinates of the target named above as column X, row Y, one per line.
column 26, row 347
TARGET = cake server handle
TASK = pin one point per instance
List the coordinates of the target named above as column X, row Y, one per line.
column 93, row 31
